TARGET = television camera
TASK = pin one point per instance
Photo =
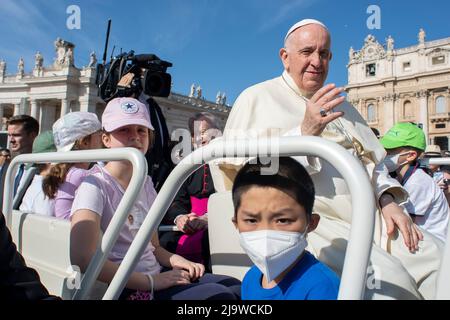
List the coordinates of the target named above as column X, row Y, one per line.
column 149, row 72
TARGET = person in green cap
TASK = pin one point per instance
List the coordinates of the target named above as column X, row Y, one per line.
column 34, row 199
column 404, row 143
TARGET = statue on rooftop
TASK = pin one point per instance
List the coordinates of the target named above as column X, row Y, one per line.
column 2, row 66
column 92, row 60
column 421, row 36
column 21, row 67
column 223, row 99
column 64, row 53
column 68, row 58
column 192, row 92
column 218, row 98
column 38, row 60
column 390, row 44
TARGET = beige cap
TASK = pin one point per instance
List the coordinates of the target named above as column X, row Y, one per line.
column 432, row 150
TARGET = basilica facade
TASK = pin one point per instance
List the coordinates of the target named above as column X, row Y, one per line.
column 51, row 91
column 389, row 85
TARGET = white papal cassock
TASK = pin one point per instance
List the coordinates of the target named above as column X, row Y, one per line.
column 277, row 107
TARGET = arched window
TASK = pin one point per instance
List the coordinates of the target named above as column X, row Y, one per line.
column 408, row 111
column 440, row 105
column 371, row 113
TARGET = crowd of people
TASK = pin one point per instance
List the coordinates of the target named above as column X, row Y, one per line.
column 290, row 223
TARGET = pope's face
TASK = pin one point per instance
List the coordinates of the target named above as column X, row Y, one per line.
column 306, row 57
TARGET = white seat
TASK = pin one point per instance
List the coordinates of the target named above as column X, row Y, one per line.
column 227, row 256
column 44, row 242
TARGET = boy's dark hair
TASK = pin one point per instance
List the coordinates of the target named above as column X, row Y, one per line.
column 445, row 168
column 29, row 123
column 291, row 178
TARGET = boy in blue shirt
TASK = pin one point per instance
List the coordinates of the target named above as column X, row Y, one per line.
column 273, row 214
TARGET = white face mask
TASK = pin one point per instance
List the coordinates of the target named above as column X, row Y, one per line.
column 391, row 161
column 273, row 251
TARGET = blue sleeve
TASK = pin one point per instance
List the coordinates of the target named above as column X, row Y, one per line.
column 246, row 285
column 324, row 290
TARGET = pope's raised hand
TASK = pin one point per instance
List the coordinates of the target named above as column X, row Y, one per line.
column 319, row 110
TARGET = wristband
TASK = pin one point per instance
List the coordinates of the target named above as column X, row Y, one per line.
column 151, row 283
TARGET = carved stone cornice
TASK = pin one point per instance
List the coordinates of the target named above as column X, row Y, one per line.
column 371, row 51
column 389, row 97
column 422, row 94
column 354, row 102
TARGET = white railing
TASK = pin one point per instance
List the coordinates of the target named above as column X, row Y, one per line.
column 112, row 232
column 363, row 206
column 359, row 246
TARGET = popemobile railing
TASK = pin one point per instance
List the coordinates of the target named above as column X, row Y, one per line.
column 363, row 205
column 112, row 232
column 443, row 284
column 353, row 278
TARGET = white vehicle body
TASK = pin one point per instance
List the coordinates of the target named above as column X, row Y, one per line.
column 45, row 242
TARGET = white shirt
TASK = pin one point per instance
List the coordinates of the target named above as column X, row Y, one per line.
column 35, row 201
column 427, row 202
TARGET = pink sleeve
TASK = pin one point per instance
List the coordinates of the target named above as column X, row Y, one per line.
column 66, row 192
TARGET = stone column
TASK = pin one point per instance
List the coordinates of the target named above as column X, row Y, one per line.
column 2, row 113
column 423, row 111
column 448, row 102
column 64, row 106
column 84, row 106
column 34, row 109
column 16, row 109
column 1, row 118
column 389, row 113
column 361, row 107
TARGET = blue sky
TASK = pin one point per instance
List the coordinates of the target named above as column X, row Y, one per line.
column 224, row 45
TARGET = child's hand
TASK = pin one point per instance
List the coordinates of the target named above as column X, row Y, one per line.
column 170, row 278
column 195, row 270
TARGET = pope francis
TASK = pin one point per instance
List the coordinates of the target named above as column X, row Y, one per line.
column 404, row 258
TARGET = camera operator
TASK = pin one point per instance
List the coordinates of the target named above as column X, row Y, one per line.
column 158, row 157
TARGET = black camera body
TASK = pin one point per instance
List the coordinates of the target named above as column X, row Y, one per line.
column 149, row 71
